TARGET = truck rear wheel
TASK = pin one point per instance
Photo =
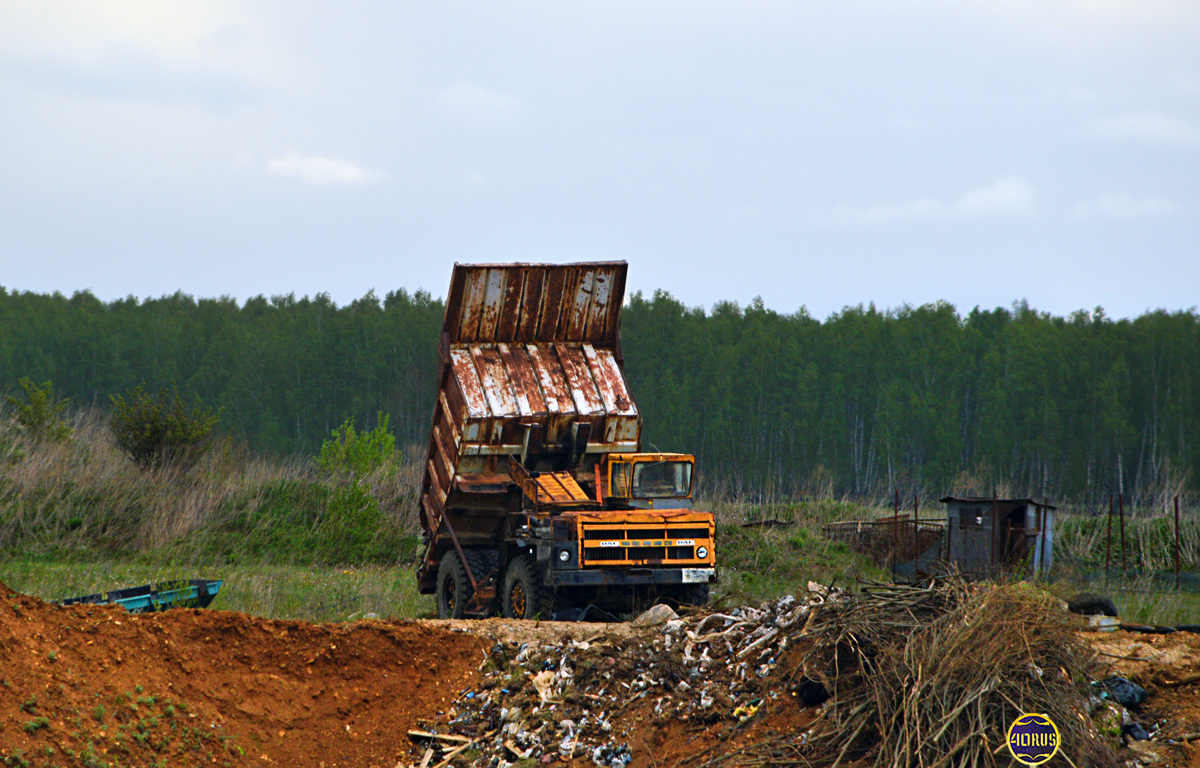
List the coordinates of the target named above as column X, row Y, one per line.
column 524, row 595
column 452, row 587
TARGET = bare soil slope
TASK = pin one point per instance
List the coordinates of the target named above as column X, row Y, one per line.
column 94, row 685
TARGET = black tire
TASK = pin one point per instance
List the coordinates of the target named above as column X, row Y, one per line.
column 1088, row 604
column 453, row 589
column 524, row 595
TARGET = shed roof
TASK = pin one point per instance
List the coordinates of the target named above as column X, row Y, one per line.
column 989, row 500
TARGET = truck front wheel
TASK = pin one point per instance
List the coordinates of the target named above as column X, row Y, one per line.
column 524, row 596
column 452, row 587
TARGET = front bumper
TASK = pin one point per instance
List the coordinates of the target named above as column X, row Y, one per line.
column 628, row 576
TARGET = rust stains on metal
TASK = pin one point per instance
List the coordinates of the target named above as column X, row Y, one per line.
column 522, row 303
column 513, row 382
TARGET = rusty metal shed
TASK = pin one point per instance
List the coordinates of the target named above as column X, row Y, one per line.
column 984, row 535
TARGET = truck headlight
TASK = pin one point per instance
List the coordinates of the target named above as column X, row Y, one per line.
column 564, row 555
column 701, row 552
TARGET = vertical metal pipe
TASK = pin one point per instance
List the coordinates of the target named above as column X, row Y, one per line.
column 995, row 508
column 1044, row 523
column 895, row 533
column 1121, row 513
column 1177, row 543
column 916, row 527
column 1108, row 541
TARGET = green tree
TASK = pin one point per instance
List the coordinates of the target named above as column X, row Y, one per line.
column 357, row 453
column 39, row 413
column 160, row 430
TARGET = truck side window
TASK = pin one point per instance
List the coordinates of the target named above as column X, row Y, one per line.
column 620, row 480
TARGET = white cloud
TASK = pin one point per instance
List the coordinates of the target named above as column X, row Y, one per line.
column 139, row 45
column 321, row 170
column 1123, row 206
column 1147, row 127
column 1007, row 197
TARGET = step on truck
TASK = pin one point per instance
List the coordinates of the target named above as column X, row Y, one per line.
column 537, row 498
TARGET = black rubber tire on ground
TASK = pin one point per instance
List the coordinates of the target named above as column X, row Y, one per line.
column 1088, row 604
column 453, row 589
column 524, row 596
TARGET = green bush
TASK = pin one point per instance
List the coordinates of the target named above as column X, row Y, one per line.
column 39, row 414
column 357, row 453
column 352, row 522
column 161, row 430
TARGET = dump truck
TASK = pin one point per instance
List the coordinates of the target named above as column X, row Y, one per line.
column 537, row 498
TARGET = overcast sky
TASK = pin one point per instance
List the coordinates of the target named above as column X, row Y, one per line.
column 817, row 154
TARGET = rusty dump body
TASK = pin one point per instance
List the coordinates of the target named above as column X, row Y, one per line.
column 532, row 409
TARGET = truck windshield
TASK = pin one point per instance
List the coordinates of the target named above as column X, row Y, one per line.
column 662, row 479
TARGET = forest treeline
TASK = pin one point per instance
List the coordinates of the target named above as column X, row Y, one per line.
column 917, row 399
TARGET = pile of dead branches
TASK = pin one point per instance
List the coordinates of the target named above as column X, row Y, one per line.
column 934, row 676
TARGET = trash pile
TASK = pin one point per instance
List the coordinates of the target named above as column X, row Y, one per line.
column 567, row 701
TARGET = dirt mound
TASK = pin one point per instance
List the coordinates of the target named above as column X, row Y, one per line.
column 94, row 685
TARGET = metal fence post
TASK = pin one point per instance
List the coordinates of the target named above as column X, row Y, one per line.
column 1121, row 515
column 1176, row 543
column 1108, row 541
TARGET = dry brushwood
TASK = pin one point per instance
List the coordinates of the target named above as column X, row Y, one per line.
column 932, row 677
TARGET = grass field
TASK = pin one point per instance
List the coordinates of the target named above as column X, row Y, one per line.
column 271, row 591
column 292, row 541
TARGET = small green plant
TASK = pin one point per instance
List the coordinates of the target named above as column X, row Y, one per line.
column 357, row 453
column 162, row 429
column 98, row 713
column 29, row 705
column 52, row 656
column 36, row 724
column 16, row 759
column 138, row 689
column 39, row 414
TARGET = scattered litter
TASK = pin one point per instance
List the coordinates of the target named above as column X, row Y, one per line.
column 1122, row 690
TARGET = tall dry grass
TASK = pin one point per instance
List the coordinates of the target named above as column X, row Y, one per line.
column 84, row 494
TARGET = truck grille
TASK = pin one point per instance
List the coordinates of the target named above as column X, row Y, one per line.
column 639, row 553
column 634, row 544
column 642, row 534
